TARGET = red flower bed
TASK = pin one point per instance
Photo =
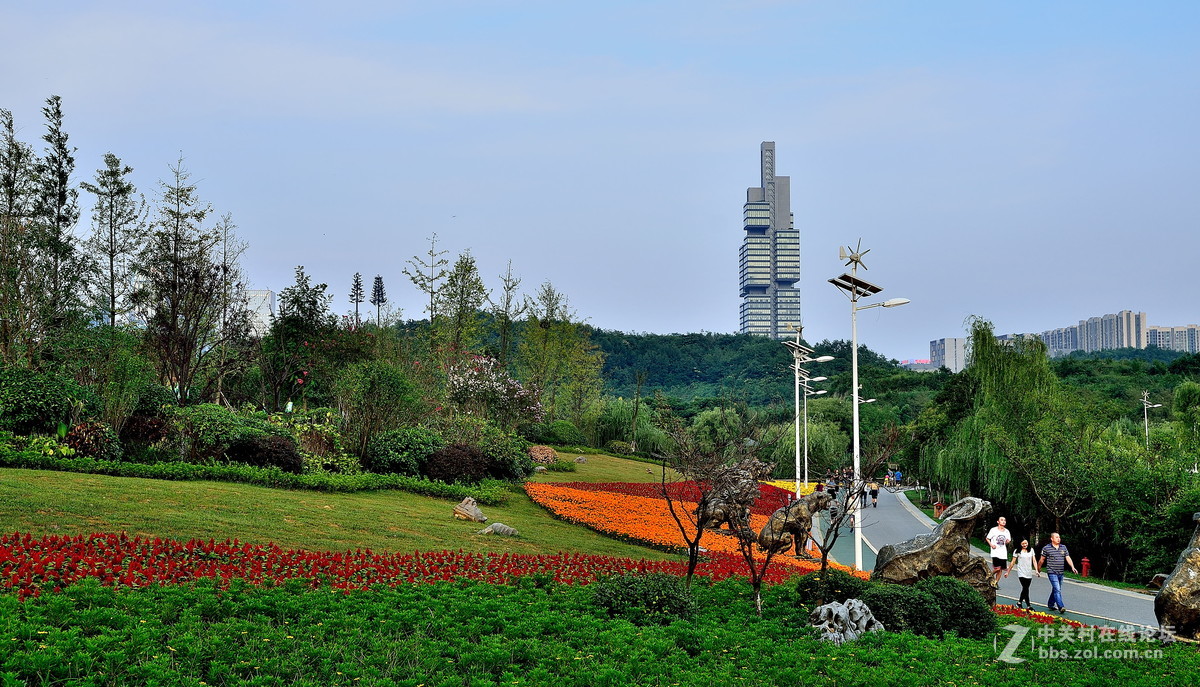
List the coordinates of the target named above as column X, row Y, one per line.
column 770, row 497
column 31, row 566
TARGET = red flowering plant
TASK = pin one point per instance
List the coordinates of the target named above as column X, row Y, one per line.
column 31, row 566
column 479, row 385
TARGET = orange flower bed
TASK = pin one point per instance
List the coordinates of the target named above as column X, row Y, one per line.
column 642, row 519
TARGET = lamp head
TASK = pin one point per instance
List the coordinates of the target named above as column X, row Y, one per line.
column 823, row 359
column 894, row 302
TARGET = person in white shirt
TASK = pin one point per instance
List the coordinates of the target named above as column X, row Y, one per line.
column 1023, row 561
column 999, row 537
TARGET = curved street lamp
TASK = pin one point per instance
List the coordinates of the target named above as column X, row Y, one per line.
column 856, row 288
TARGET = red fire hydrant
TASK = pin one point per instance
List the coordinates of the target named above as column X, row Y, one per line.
column 1085, row 567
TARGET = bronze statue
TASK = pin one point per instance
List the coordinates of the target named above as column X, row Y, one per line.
column 792, row 523
column 1177, row 606
column 944, row 551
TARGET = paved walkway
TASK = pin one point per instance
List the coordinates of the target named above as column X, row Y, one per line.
column 896, row 520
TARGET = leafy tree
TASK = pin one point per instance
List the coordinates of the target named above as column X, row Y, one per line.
column 58, row 266
column 119, row 228
column 356, row 295
column 183, row 293
column 291, row 351
column 17, row 287
column 459, row 303
column 375, row 397
column 428, row 273
column 378, row 298
column 505, row 311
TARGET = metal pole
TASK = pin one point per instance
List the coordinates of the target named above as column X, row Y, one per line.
column 806, row 438
column 796, row 443
column 856, row 481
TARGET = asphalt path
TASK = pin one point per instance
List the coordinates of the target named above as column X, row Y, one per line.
column 896, row 519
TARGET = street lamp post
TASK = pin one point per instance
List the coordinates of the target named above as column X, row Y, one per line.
column 856, row 288
column 809, row 392
column 802, row 355
column 1146, row 406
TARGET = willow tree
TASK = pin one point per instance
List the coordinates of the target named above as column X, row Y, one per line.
column 984, row 433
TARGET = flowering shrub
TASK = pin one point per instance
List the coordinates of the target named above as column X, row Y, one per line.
column 481, row 386
column 30, row 567
column 543, row 455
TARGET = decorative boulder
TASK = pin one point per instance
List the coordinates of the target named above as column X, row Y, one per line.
column 944, row 551
column 499, row 528
column 1177, row 605
column 846, row 622
column 580, row 459
column 469, row 510
column 539, row 469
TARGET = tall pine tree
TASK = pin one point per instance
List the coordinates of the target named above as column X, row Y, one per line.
column 378, row 298
column 118, row 230
column 356, row 295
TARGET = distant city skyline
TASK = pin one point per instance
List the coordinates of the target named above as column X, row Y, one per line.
column 1019, row 161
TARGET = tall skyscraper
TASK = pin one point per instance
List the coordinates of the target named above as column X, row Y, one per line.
column 770, row 255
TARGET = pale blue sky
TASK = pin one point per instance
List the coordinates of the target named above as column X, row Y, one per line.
column 1030, row 162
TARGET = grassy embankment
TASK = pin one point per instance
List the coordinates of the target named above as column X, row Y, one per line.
column 43, row 502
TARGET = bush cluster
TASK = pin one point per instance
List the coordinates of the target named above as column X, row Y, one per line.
column 649, row 599
column 457, row 463
column 267, row 451
column 402, row 451
column 619, row 448
column 95, row 439
column 902, row 608
column 32, row 402
column 557, row 433
column 964, row 611
column 488, row 492
column 818, row 588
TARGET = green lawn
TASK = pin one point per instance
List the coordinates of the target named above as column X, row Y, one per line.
column 44, row 502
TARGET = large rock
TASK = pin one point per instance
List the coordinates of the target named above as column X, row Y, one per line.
column 469, row 510
column 846, row 622
column 1178, row 604
column 499, row 528
column 946, row 551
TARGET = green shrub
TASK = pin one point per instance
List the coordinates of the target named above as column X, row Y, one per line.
column 457, row 463
column 207, row 431
column 507, row 454
column 487, row 492
column 558, row 433
column 153, row 399
column 562, row 466
column 31, row 402
column 267, row 451
column 965, row 611
column 401, row 451
column 818, row 588
column 649, row 599
column 902, row 608
column 619, row 448
column 95, row 439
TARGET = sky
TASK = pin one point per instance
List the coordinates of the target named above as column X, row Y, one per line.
column 1030, row 163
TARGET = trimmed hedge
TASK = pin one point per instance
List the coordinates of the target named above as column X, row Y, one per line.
column 487, row 493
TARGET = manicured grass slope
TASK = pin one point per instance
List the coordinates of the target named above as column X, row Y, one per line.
column 42, row 502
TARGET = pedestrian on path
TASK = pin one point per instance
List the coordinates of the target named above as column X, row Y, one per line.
column 999, row 537
column 874, row 487
column 1022, row 560
column 1054, row 556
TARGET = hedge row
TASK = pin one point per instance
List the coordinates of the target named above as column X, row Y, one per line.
column 489, row 493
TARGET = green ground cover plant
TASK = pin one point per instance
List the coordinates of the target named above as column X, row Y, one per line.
column 380, row 520
column 478, row 634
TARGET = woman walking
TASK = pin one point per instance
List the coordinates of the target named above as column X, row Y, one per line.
column 1022, row 560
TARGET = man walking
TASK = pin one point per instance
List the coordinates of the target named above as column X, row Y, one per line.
column 1054, row 555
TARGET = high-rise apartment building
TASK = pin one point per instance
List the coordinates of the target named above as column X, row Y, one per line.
column 770, row 255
